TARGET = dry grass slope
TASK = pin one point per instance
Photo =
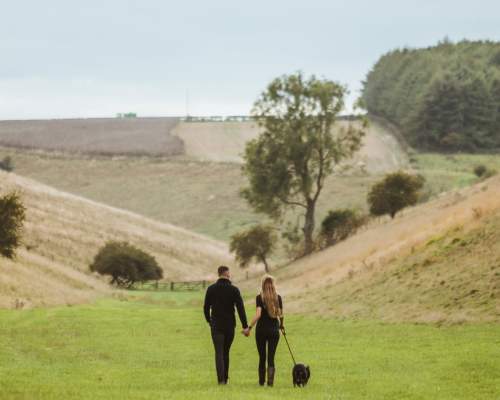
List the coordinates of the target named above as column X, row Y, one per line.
column 94, row 135
column 421, row 266
column 225, row 142
column 62, row 234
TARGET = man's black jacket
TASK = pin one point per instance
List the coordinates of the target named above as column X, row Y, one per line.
column 221, row 298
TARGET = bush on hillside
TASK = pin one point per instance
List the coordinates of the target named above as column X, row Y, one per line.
column 445, row 97
column 125, row 264
column 12, row 216
column 6, row 164
column 483, row 172
column 395, row 192
column 257, row 243
column 480, row 170
column 338, row 225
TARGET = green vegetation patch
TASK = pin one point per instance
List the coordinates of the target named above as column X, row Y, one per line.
column 444, row 172
column 142, row 349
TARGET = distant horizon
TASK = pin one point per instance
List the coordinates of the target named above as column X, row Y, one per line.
column 342, row 114
column 64, row 60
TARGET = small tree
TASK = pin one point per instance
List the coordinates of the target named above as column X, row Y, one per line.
column 6, row 164
column 288, row 163
column 338, row 225
column 12, row 216
column 125, row 264
column 395, row 192
column 258, row 242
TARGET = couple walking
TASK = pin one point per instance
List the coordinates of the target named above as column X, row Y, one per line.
column 220, row 300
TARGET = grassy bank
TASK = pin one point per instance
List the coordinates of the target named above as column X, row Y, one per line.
column 158, row 346
column 445, row 172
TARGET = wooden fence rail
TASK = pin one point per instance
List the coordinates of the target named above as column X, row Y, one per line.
column 170, row 286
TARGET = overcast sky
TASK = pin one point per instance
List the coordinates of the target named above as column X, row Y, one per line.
column 71, row 58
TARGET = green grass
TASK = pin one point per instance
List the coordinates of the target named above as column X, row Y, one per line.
column 444, row 172
column 157, row 346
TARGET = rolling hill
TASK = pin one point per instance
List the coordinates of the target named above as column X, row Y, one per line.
column 225, row 142
column 200, row 189
column 436, row 262
column 63, row 233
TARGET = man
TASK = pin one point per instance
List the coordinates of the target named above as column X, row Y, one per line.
column 220, row 300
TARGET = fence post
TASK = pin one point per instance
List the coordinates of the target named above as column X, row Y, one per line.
column 171, row 286
column 204, row 284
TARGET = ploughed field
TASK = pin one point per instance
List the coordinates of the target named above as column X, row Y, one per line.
column 94, row 135
column 144, row 346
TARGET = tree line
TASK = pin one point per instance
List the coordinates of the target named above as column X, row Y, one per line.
column 445, row 97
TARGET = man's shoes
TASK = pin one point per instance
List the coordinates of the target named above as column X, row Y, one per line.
column 270, row 376
column 262, row 376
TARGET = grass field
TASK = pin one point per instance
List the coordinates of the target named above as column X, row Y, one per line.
column 199, row 196
column 444, row 172
column 204, row 196
column 158, row 346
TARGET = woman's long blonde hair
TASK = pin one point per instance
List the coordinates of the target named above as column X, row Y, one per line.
column 270, row 297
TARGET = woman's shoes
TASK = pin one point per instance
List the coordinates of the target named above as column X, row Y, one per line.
column 270, row 376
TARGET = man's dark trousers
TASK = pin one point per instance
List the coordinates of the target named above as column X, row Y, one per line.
column 222, row 339
column 220, row 301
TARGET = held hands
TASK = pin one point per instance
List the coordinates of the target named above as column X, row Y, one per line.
column 246, row 332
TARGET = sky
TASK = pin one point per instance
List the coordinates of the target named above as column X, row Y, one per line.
column 97, row 58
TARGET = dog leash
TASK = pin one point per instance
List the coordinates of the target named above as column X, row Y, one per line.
column 288, row 345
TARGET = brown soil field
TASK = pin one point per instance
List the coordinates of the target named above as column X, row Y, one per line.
column 106, row 136
column 62, row 234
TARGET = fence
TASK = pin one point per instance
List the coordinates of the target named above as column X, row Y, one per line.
column 170, row 286
column 245, row 118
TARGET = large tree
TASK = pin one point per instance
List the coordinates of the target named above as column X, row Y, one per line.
column 287, row 164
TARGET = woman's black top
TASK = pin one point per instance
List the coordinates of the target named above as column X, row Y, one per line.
column 266, row 321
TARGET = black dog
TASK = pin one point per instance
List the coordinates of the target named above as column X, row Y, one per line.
column 300, row 375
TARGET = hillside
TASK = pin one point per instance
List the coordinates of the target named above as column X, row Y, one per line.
column 62, row 234
column 94, row 135
column 439, row 261
column 444, row 97
column 199, row 196
column 225, row 142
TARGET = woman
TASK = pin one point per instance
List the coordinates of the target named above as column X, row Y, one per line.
column 269, row 320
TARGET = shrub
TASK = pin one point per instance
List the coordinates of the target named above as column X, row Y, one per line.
column 258, row 242
column 12, row 216
column 125, row 264
column 338, row 225
column 6, row 164
column 480, row 170
column 395, row 192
